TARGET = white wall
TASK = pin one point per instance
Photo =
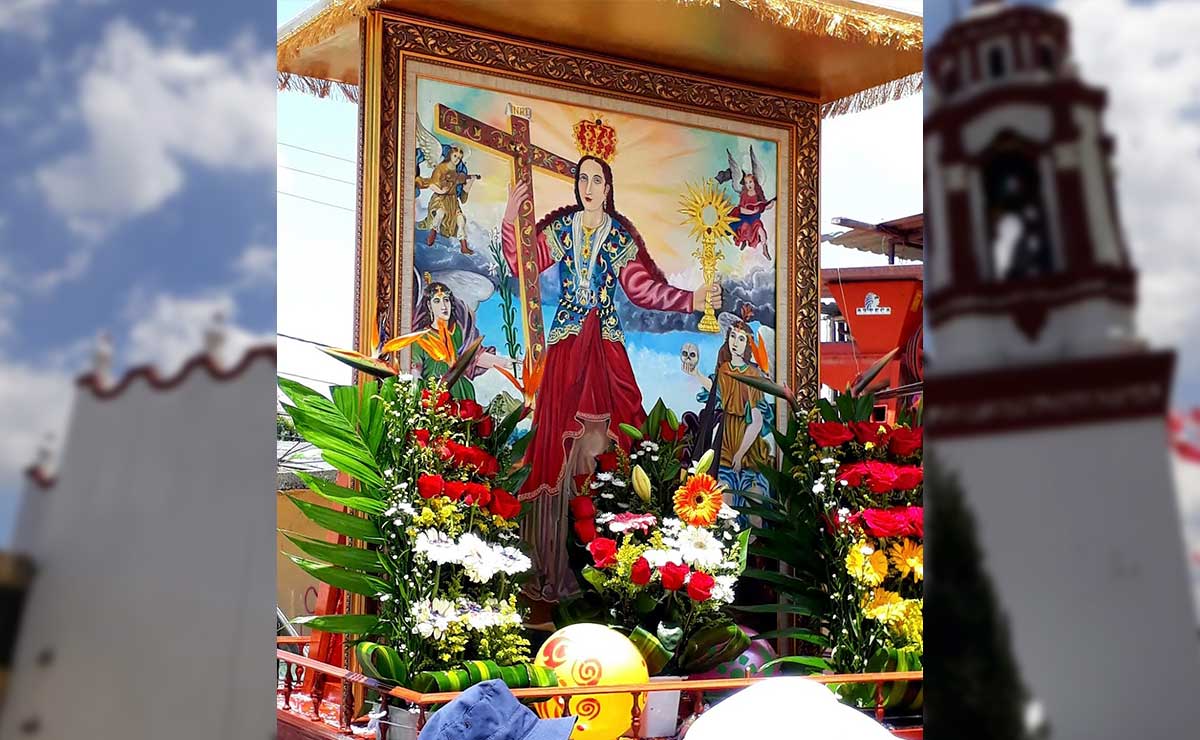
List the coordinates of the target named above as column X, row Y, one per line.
column 1082, row 541
column 156, row 569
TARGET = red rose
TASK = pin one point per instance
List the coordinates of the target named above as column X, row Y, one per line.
column 880, row 476
column 829, row 433
column 445, row 449
column 904, row 442
column 668, row 434
column 699, row 586
column 421, row 436
column 582, row 507
column 867, row 431
column 488, row 465
column 908, row 477
column 852, row 473
column 640, row 573
column 607, row 462
column 504, row 504
column 916, row 520
column 883, row 522
column 585, row 530
column 469, row 410
column 484, row 427
column 430, row 485
column 454, row 489
column 604, row 551
column 477, row 493
column 673, row 576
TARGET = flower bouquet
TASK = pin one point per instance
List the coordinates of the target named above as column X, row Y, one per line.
column 436, row 544
column 866, row 481
column 665, row 551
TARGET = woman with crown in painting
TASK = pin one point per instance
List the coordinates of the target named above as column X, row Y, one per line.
column 588, row 388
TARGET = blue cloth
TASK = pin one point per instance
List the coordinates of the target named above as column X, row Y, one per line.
column 746, row 480
column 489, row 711
column 591, row 283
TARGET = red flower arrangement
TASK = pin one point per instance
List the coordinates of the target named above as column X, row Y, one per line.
column 829, row 433
column 881, row 477
column 904, row 442
column 897, row 521
column 504, row 504
column 868, row 431
column 640, row 573
column 673, row 575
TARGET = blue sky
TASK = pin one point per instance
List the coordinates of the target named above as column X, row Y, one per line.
column 138, row 148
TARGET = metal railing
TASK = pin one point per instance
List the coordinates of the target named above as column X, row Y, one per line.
column 293, row 664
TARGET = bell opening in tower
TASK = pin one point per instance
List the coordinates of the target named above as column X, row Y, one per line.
column 1020, row 246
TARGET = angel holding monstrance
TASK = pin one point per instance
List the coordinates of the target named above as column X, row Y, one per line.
column 588, row 388
column 748, row 229
column 451, row 185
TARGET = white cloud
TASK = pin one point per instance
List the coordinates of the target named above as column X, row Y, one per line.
column 74, row 267
column 1147, row 58
column 29, row 18
column 255, row 265
column 166, row 330
column 149, row 109
column 35, row 400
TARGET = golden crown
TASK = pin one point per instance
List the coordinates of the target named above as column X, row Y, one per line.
column 595, row 138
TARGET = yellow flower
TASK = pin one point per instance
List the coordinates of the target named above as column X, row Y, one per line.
column 885, row 606
column 911, row 625
column 698, row 501
column 866, row 564
column 909, row 559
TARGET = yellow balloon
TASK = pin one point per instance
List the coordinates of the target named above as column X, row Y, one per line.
column 593, row 655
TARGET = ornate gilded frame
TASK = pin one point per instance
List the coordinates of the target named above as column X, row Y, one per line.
column 389, row 39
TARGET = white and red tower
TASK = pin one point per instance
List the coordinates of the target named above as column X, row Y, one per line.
column 1041, row 398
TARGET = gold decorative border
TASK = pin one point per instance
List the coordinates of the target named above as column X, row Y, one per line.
column 400, row 36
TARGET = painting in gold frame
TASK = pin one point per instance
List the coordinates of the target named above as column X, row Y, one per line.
column 705, row 177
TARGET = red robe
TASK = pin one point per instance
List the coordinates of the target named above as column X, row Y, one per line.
column 587, row 376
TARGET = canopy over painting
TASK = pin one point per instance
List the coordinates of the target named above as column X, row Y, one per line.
column 901, row 237
column 846, row 55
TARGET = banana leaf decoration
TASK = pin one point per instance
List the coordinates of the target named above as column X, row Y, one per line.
column 520, row 676
column 656, row 654
column 381, row 663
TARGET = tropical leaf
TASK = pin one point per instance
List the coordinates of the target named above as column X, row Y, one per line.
column 791, row 583
column 864, row 379
column 352, row 558
column 344, row 624
column 771, row 388
column 381, row 662
column 799, row 609
column 656, row 654
column 463, row 362
column 817, row 664
column 369, row 365
column 347, row 580
column 342, row 495
column 506, row 426
column 711, row 647
column 335, row 521
column 796, row 633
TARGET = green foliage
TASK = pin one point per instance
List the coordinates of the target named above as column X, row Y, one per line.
column 344, row 624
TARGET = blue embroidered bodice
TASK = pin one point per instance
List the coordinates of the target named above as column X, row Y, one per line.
column 589, row 265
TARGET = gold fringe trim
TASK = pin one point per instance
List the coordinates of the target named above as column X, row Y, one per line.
column 875, row 96
column 320, row 27
column 292, row 82
column 841, row 19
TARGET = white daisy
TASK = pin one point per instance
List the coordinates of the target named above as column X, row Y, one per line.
column 699, row 547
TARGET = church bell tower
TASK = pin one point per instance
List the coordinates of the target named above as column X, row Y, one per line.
column 1042, row 400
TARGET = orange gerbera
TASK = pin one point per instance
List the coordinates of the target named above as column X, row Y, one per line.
column 698, row 500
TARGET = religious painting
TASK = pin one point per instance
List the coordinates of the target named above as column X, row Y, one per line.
column 633, row 259
column 606, row 245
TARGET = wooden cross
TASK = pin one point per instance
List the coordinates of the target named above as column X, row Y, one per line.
column 525, row 156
